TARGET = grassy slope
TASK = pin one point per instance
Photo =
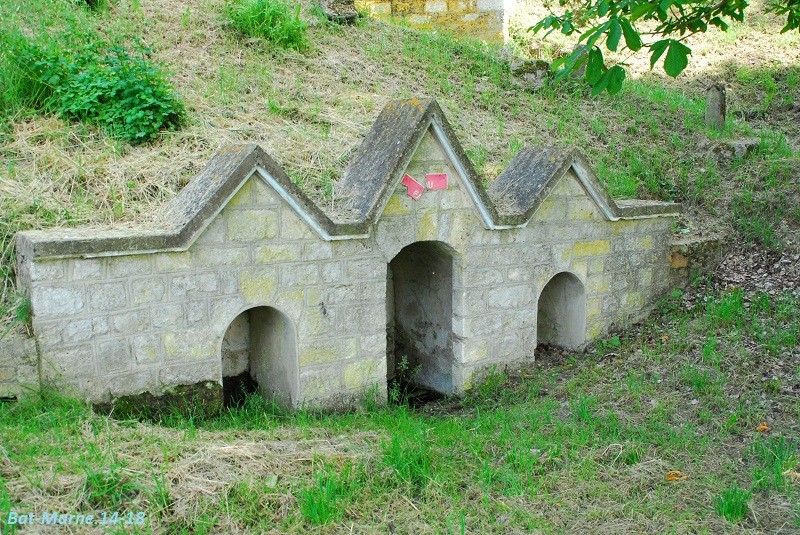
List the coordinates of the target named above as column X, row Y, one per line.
column 580, row 444
column 310, row 110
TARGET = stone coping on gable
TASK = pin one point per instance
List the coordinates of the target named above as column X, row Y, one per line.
column 367, row 184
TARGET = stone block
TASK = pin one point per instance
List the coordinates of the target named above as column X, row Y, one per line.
column 243, row 197
column 278, row 252
column 85, row 329
column 196, row 312
column 252, row 225
column 372, row 344
column 69, row 362
column 366, row 269
column 318, row 251
column 304, row 274
column 190, row 374
column 173, row 262
column 56, row 301
column 552, row 209
column 7, row 374
column 483, row 277
column 167, row 315
column 131, row 322
column 42, row 271
column 507, row 297
column 129, row 266
column 363, row 373
column 192, row 344
column 320, row 383
column 379, row 9
column 436, row 6
column 265, row 196
column 221, row 256
column 87, row 269
column 214, row 234
column 194, row 285
column 332, row 272
column 592, row 248
column 327, row 350
column 107, row 296
column 484, row 325
column 114, row 355
column 292, row 227
column 399, row 205
column 598, row 284
column 147, row 348
column 148, row 290
column 583, row 210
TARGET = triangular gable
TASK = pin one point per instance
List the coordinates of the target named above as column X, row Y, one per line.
column 380, row 162
column 366, row 186
column 530, row 177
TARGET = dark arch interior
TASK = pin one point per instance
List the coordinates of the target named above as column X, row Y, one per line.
column 561, row 314
column 258, row 355
column 419, row 302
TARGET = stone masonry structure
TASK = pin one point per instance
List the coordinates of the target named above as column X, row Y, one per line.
column 486, row 20
column 419, row 265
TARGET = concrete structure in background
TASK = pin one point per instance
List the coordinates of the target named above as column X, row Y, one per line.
column 418, row 268
column 486, row 20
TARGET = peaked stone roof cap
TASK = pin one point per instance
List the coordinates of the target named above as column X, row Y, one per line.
column 365, row 187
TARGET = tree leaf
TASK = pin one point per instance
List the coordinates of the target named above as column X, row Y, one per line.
column 677, row 58
column 657, row 49
column 594, row 66
column 601, row 84
column 632, row 38
column 614, row 33
column 641, row 10
column 616, row 75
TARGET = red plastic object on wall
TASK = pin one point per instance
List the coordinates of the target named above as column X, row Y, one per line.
column 436, row 181
column 415, row 189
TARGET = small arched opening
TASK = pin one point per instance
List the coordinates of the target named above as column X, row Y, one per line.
column 561, row 315
column 259, row 355
column 419, row 313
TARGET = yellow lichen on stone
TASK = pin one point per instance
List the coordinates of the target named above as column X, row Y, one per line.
column 624, row 225
column 395, row 206
column 599, row 284
column 250, row 225
column 175, row 346
column 593, row 307
column 552, row 209
column 428, row 228
column 258, row 285
column 330, row 351
column 592, row 248
column 277, row 252
column 243, row 197
column 359, row 374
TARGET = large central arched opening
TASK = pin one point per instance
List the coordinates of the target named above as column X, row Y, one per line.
column 561, row 316
column 258, row 355
column 419, row 302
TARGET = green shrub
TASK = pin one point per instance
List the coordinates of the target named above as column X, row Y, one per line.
column 120, row 90
column 273, row 20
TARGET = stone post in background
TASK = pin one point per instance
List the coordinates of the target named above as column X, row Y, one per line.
column 715, row 106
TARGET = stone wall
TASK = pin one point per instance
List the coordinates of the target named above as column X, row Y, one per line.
column 145, row 321
column 19, row 367
column 486, row 20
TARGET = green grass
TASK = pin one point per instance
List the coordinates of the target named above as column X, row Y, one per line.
column 273, row 20
column 519, row 449
column 731, row 504
column 586, row 437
